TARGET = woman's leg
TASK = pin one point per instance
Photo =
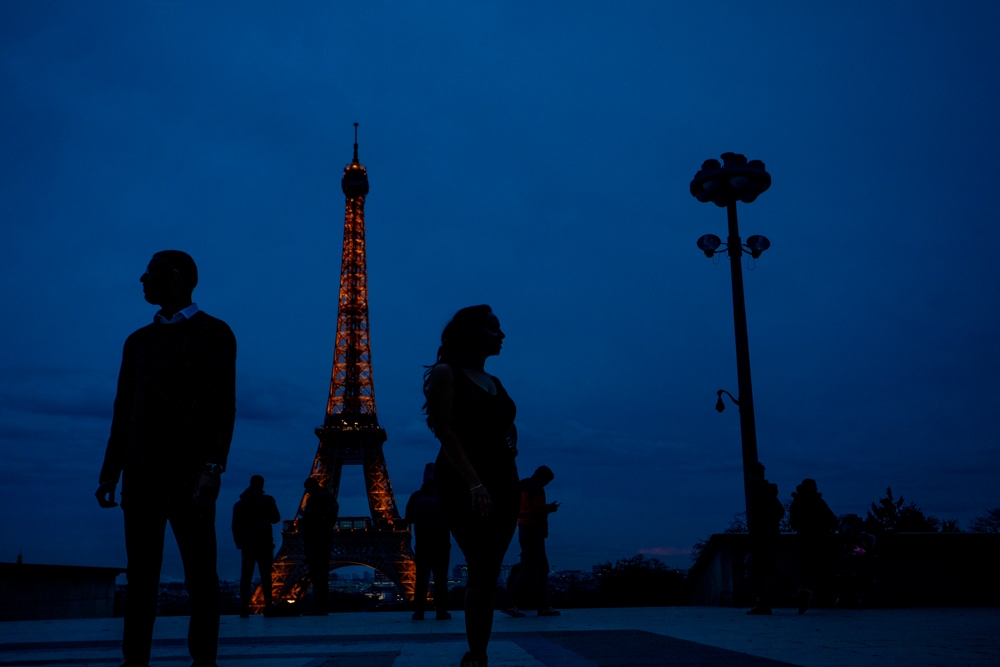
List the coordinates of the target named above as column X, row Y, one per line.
column 484, row 546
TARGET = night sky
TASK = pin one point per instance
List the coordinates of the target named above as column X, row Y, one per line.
column 535, row 157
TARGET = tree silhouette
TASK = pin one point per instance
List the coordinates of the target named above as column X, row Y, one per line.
column 889, row 515
column 637, row 582
column 987, row 523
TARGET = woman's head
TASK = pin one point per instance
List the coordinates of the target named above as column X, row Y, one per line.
column 472, row 335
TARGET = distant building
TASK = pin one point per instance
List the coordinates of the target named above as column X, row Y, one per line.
column 37, row 592
column 460, row 573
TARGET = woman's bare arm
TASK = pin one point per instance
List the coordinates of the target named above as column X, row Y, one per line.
column 440, row 408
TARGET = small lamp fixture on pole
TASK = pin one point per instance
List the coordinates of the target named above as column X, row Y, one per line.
column 723, row 185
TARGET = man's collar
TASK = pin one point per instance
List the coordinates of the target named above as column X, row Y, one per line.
column 179, row 316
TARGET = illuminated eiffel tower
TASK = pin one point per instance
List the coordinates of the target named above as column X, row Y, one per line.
column 350, row 434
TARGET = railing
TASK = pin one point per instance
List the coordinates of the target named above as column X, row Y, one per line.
column 348, row 524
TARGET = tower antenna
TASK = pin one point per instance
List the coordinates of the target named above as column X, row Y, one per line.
column 355, row 143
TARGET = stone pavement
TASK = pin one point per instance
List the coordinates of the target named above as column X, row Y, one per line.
column 579, row 638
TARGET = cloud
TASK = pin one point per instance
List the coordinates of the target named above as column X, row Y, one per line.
column 666, row 551
column 271, row 399
column 56, row 391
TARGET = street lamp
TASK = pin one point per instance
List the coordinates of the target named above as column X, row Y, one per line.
column 723, row 185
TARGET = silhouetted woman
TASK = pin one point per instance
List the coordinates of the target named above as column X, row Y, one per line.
column 473, row 418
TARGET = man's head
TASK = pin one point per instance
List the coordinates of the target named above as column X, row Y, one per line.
column 170, row 277
column 257, row 483
column 312, row 485
column 429, row 473
column 543, row 475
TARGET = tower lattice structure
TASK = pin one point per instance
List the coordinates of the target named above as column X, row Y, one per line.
column 350, row 434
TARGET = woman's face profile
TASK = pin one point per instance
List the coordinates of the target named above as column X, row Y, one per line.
column 492, row 337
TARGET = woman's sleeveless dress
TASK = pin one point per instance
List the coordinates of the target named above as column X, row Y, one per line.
column 481, row 421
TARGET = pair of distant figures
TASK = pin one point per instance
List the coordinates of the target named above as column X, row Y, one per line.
column 432, row 546
column 253, row 516
column 810, row 517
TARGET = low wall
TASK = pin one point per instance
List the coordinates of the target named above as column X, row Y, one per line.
column 909, row 569
column 35, row 592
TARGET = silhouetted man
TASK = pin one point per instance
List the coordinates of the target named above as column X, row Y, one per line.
column 318, row 518
column 815, row 523
column 432, row 544
column 170, row 437
column 253, row 515
column 766, row 516
column 532, row 528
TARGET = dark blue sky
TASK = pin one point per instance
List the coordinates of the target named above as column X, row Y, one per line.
column 536, row 158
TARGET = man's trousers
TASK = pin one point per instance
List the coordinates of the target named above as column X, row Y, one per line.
column 318, row 564
column 194, row 528
column 263, row 558
column 531, row 587
column 432, row 560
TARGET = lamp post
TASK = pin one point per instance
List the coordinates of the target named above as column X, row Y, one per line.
column 723, row 185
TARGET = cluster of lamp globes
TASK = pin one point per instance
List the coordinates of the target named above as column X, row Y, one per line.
column 734, row 180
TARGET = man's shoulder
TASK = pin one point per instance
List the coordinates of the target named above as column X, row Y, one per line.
column 212, row 326
column 142, row 331
column 207, row 321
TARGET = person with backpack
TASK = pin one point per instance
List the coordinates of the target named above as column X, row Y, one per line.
column 253, row 515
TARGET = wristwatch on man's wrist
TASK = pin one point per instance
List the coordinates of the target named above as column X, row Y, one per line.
column 214, row 468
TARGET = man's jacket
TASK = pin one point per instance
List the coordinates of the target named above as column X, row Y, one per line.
column 175, row 406
column 253, row 515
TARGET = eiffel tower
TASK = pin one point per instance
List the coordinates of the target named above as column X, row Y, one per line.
column 350, row 434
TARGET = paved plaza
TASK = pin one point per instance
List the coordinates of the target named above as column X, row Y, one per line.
column 579, row 638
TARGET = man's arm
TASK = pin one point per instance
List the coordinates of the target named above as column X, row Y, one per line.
column 222, row 396
column 114, row 455
column 220, row 379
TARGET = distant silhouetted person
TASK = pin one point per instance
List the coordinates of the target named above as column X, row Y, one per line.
column 253, row 515
column 473, row 418
column 532, row 580
column 767, row 515
column 816, row 524
column 855, row 576
column 432, row 544
column 318, row 518
column 170, row 437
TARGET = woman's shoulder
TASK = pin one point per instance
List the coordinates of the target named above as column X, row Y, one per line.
column 442, row 372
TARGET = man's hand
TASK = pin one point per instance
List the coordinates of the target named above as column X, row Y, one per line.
column 106, row 494
column 207, row 488
column 552, row 507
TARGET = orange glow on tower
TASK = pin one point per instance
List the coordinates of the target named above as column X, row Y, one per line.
column 350, row 434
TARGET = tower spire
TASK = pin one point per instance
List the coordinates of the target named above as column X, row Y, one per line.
column 355, row 144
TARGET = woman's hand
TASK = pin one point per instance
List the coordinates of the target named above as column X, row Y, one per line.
column 481, row 502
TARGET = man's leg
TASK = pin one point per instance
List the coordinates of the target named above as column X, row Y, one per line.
column 246, row 576
column 264, row 564
column 194, row 527
column 420, row 587
column 542, row 576
column 144, row 530
column 318, row 563
column 440, row 568
column 535, row 568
